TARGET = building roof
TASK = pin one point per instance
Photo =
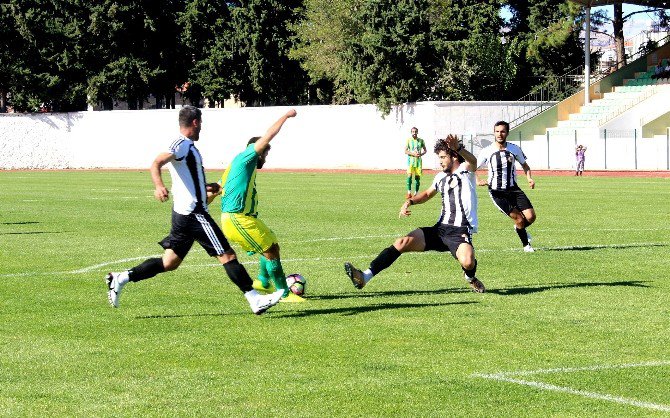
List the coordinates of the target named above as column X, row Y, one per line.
column 650, row 3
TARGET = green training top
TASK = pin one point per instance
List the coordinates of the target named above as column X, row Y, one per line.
column 239, row 184
column 415, row 145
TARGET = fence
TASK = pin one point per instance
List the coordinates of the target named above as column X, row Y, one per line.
column 607, row 149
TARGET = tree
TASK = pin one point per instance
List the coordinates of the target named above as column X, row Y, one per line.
column 369, row 51
column 473, row 61
column 206, row 37
column 618, row 20
column 132, row 42
column 265, row 74
column 11, row 62
column 42, row 47
column 545, row 37
column 391, row 62
column 323, row 34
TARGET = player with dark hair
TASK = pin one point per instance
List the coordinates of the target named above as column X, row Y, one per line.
column 501, row 157
column 191, row 220
column 239, row 211
column 455, row 226
column 415, row 148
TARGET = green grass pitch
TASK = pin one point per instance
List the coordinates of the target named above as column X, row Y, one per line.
column 579, row 328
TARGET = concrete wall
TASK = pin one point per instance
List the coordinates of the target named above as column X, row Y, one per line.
column 324, row 137
column 330, row 137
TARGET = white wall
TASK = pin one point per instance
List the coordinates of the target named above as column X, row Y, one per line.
column 326, row 137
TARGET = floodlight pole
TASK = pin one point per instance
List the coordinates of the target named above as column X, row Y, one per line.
column 587, row 56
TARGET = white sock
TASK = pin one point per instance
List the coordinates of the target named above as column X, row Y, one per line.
column 123, row 278
column 367, row 275
column 251, row 295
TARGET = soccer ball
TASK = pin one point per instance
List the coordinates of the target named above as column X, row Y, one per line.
column 296, row 283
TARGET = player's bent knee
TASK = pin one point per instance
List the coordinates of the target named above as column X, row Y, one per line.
column 468, row 263
column 530, row 217
column 272, row 253
column 227, row 257
column 171, row 264
column 402, row 244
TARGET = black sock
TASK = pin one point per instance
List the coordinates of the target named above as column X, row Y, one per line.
column 384, row 259
column 146, row 270
column 523, row 236
column 238, row 275
column 470, row 274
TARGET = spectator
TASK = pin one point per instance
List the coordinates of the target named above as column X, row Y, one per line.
column 658, row 71
column 580, row 155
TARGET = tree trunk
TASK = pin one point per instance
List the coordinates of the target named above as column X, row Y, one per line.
column 619, row 41
column 3, row 101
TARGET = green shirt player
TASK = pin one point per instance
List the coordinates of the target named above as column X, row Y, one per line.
column 239, row 211
column 415, row 148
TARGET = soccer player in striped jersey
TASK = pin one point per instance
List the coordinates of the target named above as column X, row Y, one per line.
column 501, row 158
column 191, row 220
column 239, row 212
column 415, row 148
column 455, row 226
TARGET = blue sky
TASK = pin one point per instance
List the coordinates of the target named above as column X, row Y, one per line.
column 638, row 23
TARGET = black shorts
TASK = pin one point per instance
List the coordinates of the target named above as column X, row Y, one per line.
column 510, row 199
column 199, row 227
column 446, row 238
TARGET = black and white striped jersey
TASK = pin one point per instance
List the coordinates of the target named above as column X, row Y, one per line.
column 459, row 198
column 501, row 164
column 188, row 177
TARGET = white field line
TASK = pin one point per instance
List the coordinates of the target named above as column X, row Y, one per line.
column 575, row 369
column 506, row 377
column 98, row 267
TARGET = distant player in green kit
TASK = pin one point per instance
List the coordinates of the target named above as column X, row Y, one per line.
column 239, row 212
column 415, row 149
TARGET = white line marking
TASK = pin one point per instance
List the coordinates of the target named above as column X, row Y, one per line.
column 97, row 266
column 575, row 369
column 591, row 395
column 110, row 197
column 504, row 377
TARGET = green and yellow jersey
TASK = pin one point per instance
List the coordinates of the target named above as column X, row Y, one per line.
column 415, row 145
column 239, row 184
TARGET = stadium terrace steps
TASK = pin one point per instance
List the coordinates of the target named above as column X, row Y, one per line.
column 613, row 104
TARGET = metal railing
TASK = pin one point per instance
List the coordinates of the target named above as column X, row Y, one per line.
column 557, row 88
column 607, row 149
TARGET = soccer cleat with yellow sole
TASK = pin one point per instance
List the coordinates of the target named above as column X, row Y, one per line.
column 258, row 285
column 292, row 298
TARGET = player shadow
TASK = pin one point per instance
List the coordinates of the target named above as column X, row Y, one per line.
column 603, row 247
column 526, row 290
column 355, row 310
column 32, row 233
column 197, row 315
column 19, row 223
column 372, row 294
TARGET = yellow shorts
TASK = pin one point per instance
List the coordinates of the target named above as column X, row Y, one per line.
column 249, row 232
column 416, row 171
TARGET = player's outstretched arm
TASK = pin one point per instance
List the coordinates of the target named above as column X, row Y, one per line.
column 161, row 192
column 262, row 143
column 419, row 198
